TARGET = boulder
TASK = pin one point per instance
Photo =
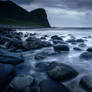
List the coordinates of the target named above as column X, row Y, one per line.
column 59, row 42
column 80, row 40
column 52, row 86
column 86, row 55
column 10, row 57
column 89, row 49
column 56, row 37
column 61, row 47
column 7, row 72
column 77, row 48
column 86, row 83
column 61, row 72
column 82, row 45
column 72, row 41
column 35, row 43
column 21, row 81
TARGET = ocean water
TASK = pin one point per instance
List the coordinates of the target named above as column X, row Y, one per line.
column 84, row 67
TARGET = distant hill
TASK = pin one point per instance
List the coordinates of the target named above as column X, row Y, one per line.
column 12, row 14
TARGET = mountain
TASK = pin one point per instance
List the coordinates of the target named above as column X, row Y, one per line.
column 11, row 13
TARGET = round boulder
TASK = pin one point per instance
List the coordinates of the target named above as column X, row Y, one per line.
column 61, row 72
column 61, row 47
column 89, row 49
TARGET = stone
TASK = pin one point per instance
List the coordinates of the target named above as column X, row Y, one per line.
column 61, row 47
column 52, row 86
column 10, row 57
column 86, row 55
column 7, row 72
column 89, row 49
column 61, row 72
column 77, row 48
column 21, row 81
column 86, row 83
column 56, row 37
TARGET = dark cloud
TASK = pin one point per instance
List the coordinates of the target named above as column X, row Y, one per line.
column 69, row 4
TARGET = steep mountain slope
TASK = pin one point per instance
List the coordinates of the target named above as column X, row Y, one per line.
column 11, row 13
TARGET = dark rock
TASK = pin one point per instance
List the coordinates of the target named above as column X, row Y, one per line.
column 72, row 41
column 61, row 47
column 86, row 83
column 59, row 42
column 82, row 45
column 55, row 37
column 86, row 55
column 89, row 49
column 61, row 72
column 77, row 48
column 52, row 86
column 80, row 40
column 10, row 57
column 7, row 72
column 21, row 81
column 35, row 43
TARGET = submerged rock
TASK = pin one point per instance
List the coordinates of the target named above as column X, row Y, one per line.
column 72, row 41
column 7, row 72
column 61, row 47
column 52, row 86
column 10, row 57
column 86, row 83
column 21, row 81
column 45, row 53
column 86, row 55
column 61, row 72
column 82, row 45
column 43, row 66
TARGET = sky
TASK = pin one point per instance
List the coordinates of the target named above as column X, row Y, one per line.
column 63, row 13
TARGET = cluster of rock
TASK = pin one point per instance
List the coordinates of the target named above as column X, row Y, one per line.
column 11, row 55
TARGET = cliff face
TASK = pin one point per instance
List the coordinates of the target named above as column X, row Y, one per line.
column 13, row 12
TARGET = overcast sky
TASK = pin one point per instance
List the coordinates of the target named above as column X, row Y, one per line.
column 63, row 13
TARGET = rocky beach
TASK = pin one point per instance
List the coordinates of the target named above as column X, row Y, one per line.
column 35, row 61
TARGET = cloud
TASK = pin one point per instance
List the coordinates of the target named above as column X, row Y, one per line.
column 66, row 4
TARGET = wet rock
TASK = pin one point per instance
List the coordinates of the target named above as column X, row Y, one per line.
column 43, row 66
column 77, row 48
column 89, row 49
column 61, row 72
column 82, row 45
column 7, row 72
column 86, row 55
column 72, row 41
column 86, row 83
column 58, row 42
column 35, row 43
column 80, row 40
column 10, row 57
column 45, row 53
column 61, row 47
column 21, row 81
column 52, row 86
column 56, row 37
